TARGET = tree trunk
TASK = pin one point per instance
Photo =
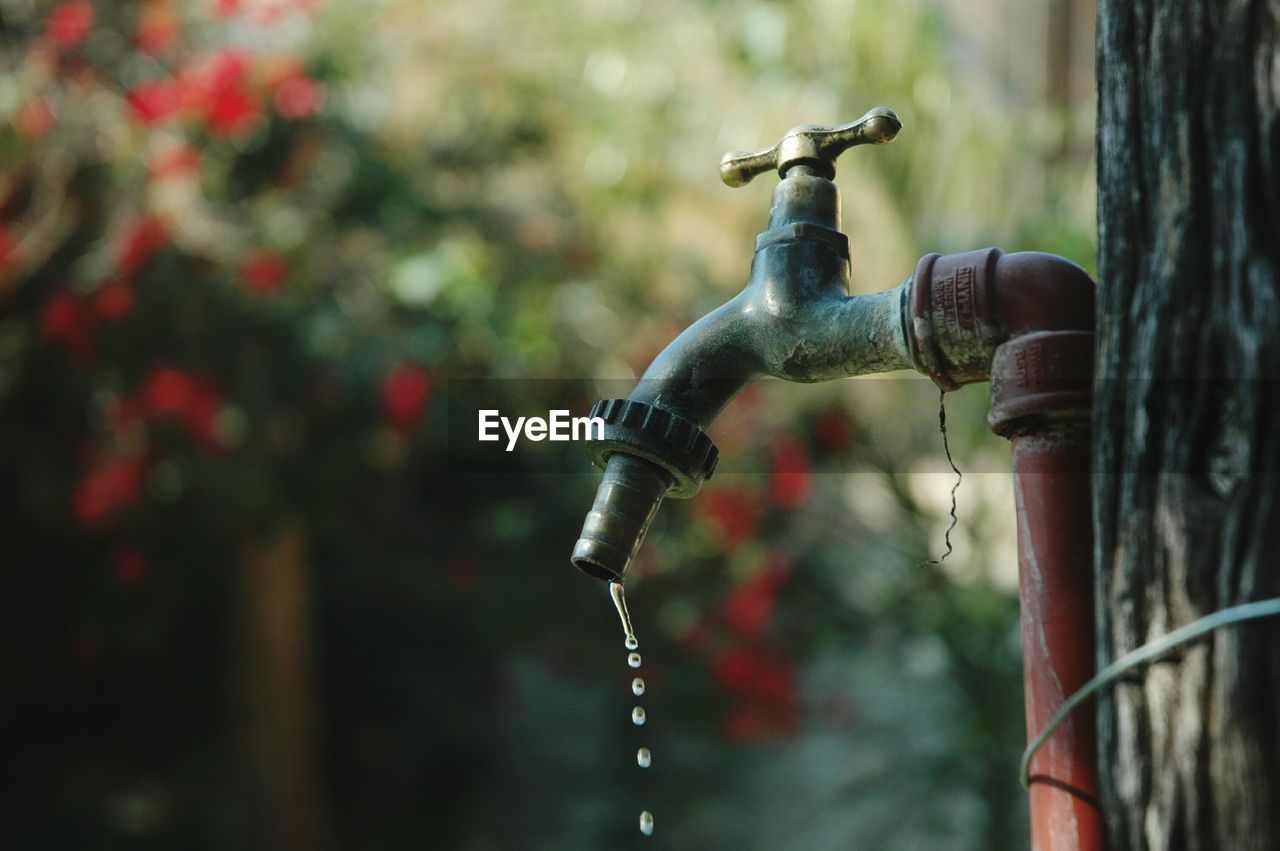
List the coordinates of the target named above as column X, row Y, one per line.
column 276, row 718
column 1187, row 422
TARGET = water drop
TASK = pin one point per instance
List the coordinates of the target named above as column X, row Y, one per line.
column 633, row 659
column 643, row 757
column 637, row 686
column 637, row 716
column 646, row 823
column 620, row 602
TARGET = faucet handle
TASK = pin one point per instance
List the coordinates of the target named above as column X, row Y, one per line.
column 811, row 145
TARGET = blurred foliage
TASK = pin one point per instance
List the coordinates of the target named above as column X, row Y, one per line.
column 245, row 246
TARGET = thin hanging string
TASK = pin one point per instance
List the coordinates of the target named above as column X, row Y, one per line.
column 942, row 427
column 1140, row 656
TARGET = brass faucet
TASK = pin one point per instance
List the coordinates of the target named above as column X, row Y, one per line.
column 793, row 320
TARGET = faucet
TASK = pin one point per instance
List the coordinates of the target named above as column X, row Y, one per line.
column 795, row 320
column 1023, row 321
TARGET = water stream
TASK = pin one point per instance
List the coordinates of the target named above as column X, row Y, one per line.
column 620, row 603
column 643, row 757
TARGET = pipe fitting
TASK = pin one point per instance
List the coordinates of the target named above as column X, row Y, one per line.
column 625, row 505
column 667, row 441
column 1041, row 377
column 954, row 321
column 1023, row 321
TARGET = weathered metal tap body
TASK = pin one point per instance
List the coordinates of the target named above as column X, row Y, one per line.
column 1023, row 321
column 793, row 320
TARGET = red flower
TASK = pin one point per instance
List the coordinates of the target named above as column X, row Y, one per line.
column 263, row 272
column 298, row 96
column 69, row 24
column 223, row 8
column 130, row 565
column 767, row 686
column 751, row 672
column 174, row 394
column 61, row 316
column 215, row 88
column 225, row 69
column 113, row 485
column 231, row 110
column 792, row 477
column 34, row 119
column 404, row 395
column 152, row 102
column 68, row 323
column 114, row 301
column 201, row 418
column 140, row 240
column 733, row 514
column 734, row 669
column 749, row 608
column 168, row 391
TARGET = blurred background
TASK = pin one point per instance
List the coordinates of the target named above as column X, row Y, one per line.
column 253, row 599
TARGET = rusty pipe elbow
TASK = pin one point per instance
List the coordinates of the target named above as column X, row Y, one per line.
column 1024, row 321
column 1036, row 291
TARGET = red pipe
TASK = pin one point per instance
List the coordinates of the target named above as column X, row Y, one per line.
column 1051, row 485
column 1025, row 321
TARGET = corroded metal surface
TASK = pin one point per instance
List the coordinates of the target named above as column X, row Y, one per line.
column 794, row 319
column 1041, row 377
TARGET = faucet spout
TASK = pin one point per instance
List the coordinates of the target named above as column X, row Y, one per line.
column 626, row 502
column 793, row 320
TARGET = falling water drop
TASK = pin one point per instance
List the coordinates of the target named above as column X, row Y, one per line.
column 643, row 757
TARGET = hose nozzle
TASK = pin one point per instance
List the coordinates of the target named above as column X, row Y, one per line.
column 625, row 504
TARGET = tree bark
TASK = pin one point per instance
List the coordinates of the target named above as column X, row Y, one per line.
column 1187, row 423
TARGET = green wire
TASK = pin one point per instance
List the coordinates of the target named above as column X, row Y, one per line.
column 1142, row 655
